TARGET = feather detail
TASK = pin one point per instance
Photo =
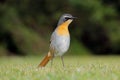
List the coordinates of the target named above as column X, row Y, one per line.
column 45, row 60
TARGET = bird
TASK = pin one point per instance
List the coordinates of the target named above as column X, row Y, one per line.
column 60, row 40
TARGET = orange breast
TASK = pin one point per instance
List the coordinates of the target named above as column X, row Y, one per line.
column 63, row 28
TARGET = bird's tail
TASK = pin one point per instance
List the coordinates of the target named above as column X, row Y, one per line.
column 45, row 60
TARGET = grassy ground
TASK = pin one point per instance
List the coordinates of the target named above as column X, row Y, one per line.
column 76, row 68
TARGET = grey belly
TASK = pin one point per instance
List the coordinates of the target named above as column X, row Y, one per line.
column 60, row 44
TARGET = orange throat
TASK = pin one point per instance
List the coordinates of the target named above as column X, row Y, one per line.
column 63, row 28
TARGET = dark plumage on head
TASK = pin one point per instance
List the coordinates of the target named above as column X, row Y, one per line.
column 64, row 18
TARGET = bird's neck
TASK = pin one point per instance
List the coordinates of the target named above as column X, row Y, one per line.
column 63, row 28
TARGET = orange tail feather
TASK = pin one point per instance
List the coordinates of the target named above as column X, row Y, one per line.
column 45, row 60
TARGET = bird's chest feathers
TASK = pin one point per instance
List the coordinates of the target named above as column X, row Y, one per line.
column 63, row 29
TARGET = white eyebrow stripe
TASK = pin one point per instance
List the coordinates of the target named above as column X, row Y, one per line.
column 67, row 16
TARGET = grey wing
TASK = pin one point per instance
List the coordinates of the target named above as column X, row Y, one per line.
column 51, row 43
column 52, row 37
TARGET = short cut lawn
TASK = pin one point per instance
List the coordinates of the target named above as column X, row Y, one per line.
column 76, row 68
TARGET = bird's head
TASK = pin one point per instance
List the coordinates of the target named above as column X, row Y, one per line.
column 65, row 18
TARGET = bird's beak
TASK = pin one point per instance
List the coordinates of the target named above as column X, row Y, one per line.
column 73, row 17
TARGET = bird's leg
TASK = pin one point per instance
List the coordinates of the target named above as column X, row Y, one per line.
column 52, row 60
column 62, row 61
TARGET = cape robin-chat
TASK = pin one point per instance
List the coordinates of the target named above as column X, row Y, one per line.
column 60, row 40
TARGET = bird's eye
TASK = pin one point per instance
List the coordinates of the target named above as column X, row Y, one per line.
column 67, row 18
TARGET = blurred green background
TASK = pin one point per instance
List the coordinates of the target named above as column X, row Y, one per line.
column 26, row 26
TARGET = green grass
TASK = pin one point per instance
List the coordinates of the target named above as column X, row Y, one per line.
column 76, row 68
